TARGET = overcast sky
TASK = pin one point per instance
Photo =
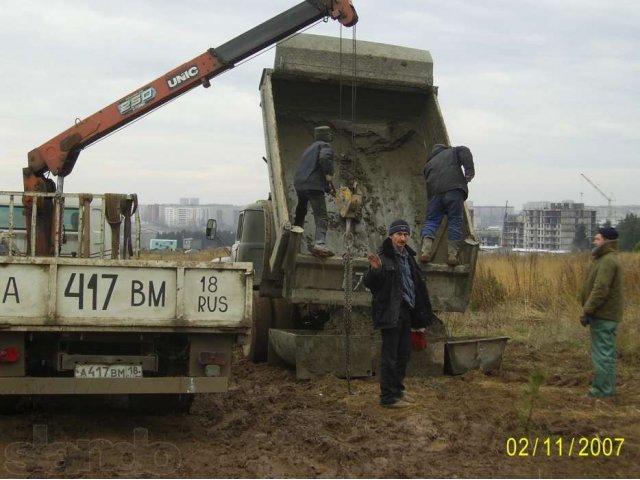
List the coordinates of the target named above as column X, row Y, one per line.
column 541, row 91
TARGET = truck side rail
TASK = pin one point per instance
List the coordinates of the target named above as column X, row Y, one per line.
column 73, row 224
column 65, row 294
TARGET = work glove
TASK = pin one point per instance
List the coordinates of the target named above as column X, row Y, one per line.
column 418, row 339
column 585, row 320
column 330, row 189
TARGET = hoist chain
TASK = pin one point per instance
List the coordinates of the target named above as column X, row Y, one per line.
column 347, row 259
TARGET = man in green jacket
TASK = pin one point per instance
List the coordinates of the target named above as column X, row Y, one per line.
column 602, row 305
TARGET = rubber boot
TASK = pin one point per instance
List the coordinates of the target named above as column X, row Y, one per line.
column 321, row 250
column 426, row 250
column 453, row 253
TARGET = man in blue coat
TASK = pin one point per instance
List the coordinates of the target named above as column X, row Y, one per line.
column 401, row 310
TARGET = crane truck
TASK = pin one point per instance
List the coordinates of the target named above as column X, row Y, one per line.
column 75, row 322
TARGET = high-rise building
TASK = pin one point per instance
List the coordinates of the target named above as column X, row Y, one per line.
column 190, row 215
column 548, row 225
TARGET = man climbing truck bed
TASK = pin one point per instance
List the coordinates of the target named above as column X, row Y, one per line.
column 313, row 178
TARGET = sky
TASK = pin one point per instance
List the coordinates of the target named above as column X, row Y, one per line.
column 540, row 91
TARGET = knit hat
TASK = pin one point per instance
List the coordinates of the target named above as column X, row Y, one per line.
column 608, row 233
column 399, row 226
column 323, row 133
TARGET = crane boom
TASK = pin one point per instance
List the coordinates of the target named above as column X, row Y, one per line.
column 607, row 197
column 596, row 187
column 60, row 154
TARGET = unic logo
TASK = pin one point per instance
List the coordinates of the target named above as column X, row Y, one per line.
column 176, row 80
column 137, row 100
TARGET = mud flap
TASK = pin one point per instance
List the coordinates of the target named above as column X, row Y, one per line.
column 260, row 325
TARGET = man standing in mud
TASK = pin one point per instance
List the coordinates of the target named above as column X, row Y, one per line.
column 401, row 310
column 312, row 180
column 602, row 305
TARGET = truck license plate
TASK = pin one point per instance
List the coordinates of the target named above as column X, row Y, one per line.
column 108, row 371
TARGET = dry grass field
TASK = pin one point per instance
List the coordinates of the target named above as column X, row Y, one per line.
column 535, row 298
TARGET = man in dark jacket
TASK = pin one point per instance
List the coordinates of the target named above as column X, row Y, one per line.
column 447, row 172
column 313, row 178
column 602, row 305
column 401, row 310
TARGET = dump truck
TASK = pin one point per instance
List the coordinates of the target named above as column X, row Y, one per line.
column 80, row 323
column 385, row 118
column 76, row 319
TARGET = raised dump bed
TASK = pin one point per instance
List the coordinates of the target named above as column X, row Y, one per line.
column 381, row 149
column 397, row 122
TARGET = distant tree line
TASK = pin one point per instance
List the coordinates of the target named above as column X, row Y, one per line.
column 628, row 229
column 581, row 240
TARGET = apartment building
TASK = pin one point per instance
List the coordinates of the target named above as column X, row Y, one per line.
column 547, row 225
column 190, row 215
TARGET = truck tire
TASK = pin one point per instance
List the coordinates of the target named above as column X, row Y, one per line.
column 260, row 325
column 10, row 404
column 285, row 314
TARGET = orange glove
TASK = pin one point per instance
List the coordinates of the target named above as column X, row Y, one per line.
column 418, row 339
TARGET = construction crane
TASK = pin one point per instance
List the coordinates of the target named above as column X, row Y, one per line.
column 609, row 199
column 504, row 225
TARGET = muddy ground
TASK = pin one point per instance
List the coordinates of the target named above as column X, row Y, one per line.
column 271, row 425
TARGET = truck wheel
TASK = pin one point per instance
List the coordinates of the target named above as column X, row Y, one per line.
column 260, row 325
column 10, row 404
column 284, row 314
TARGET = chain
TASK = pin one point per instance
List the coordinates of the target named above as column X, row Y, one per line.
column 347, row 259
column 340, row 75
column 354, row 88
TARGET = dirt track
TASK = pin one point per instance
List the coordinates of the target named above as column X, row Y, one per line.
column 270, row 425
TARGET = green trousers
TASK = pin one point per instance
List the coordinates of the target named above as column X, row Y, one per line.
column 603, row 357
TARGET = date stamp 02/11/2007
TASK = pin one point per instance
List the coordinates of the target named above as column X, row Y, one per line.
column 564, row 447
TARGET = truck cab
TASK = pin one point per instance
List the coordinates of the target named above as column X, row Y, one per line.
column 251, row 237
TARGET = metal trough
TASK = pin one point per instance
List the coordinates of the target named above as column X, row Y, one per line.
column 470, row 353
column 314, row 353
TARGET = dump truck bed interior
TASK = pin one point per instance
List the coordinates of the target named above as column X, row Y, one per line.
column 383, row 131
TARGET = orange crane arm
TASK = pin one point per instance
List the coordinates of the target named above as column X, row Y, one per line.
column 60, row 154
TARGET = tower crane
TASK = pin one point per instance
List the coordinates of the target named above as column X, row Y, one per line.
column 609, row 198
